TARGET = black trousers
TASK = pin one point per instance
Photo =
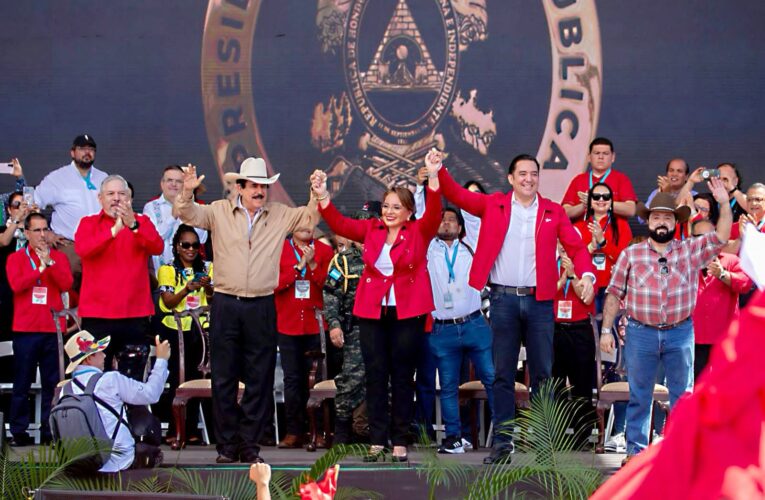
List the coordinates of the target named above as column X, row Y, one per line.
column 574, row 358
column 31, row 349
column 242, row 347
column 700, row 359
column 390, row 348
column 296, row 367
column 125, row 331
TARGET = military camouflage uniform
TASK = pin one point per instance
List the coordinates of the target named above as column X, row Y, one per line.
column 339, row 294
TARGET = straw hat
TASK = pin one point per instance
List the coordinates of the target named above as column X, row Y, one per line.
column 252, row 169
column 80, row 346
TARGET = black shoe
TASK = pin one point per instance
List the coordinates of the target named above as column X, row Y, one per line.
column 225, row 459
column 21, row 440
column 267, row 441
column 452, row 445
column 499, row 456
column 250, row 457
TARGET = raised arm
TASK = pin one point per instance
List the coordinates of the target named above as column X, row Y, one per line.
column 474, row 203
column 185, row 208
column 352, row 229
column 725, row 221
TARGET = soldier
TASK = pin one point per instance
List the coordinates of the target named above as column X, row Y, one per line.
column 339, row 295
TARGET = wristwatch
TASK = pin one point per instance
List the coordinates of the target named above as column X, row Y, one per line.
column 604, row 330
column 723, row 274
column 134, row 226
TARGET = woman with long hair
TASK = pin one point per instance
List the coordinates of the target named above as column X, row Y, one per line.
column 186, row 284
column 392, row 300
column 605, row 235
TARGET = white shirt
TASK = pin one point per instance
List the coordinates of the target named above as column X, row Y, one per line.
column 472, row 223
column 160, row 211
column 385, row 266
column 65, row 190
column 250, row 220
column 465, row 299
column 516, row 264
column 115, row 389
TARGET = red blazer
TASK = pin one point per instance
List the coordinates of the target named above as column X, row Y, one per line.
column 297, row 316
column 494, row 211
column 115, row 271
column 29, row 317
column 409, row 255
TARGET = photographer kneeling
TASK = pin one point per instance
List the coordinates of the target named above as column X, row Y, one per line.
column 111, row 392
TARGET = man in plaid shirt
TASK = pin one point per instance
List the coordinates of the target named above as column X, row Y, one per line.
column 658, row 281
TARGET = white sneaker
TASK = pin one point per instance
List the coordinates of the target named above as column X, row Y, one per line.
column 467, row 445
column 617, row 444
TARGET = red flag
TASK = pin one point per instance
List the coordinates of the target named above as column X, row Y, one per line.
column 321, row 490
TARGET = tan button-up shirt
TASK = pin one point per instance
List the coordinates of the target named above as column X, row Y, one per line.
column 246, row 261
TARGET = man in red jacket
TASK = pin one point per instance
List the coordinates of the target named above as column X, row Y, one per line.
column 302, row 271
column 115, row 246
column 38, row 275
column 516, row 252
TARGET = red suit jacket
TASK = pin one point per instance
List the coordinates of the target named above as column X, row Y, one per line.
column 409, row 255
column 494, row 211
column 297, row 316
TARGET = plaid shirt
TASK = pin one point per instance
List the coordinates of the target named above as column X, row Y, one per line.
column 662, row 294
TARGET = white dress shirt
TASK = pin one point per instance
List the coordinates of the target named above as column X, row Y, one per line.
column 385, row 266
column 160, row 211
column 516, row 264
column 465, row 299
column 115, row 389
column 66, row 191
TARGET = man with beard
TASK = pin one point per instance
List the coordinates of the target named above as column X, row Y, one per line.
column 72, row 191
column 658, row 282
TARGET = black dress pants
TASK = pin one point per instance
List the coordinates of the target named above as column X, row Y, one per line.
column 296, row 366
column 123, row 332
column 390, row 348
column 242, row 347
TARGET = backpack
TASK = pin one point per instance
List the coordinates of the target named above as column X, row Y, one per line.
column 76, row 416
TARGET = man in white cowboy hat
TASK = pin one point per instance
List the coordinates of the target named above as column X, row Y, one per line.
column 248, row 233
column 658, row 281
column 86, row 355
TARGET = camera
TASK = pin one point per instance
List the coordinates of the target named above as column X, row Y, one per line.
column 708, row 173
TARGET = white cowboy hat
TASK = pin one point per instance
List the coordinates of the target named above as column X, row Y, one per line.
column 252, row 169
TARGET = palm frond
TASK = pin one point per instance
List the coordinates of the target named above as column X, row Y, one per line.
column 441, row 473
column 280, row 486
column 494, row 480
column 232, row 485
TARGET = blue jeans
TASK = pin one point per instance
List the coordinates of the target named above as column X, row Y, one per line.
column 646, row 348
column 448, row 342
column 514, row 319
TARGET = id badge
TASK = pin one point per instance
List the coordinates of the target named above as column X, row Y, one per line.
column 599, row 261
column 302, row 289
column 448, row 299
column 40, row 295
column 193, row 301
column 565, row 309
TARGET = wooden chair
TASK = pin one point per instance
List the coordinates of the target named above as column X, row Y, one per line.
column 616, row 392
column 474, row 393
column 197, row 388
column 320, row 393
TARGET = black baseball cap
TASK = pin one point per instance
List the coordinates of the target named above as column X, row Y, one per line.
column 84, row 140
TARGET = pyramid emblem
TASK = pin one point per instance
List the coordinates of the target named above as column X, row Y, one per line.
column 402, row 61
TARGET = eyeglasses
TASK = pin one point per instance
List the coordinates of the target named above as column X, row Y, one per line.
column 701, row 209
column 186, row 245
column 39, row 230
column 15, row 204
column 601, row 196
column 663, row 263
column 752, row 199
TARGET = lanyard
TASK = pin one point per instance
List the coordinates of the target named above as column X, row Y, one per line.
column 34, row 266
column 450, row 265
column 568, row 282
column 760, row 224
column 86, row 178
column 733, row 203
column 602, row 179
column 86, row 370
column 297, row 257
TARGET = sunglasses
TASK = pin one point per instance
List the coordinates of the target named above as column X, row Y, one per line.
column 186, row 245
column 601, row 196
column 664, row 270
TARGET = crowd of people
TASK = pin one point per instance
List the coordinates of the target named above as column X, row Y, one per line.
column 399, row 286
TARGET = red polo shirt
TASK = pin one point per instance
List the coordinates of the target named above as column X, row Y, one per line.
column 611, row 250
column 620, row 184
column 115, row 270
column 717, row 303
column 24, row 276
column 579, row 310
column 296, row 316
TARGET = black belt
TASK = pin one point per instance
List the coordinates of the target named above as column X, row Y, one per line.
column 520, row 291
column 574, row 324
column 243, row 299
column 458, row 321
column 663, row 326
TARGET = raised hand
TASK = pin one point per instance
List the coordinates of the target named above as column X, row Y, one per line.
column 663, row 183
column 308, row 253
column 717, row 188
column 190, row 179
column 568, row 265
column 696, row 175
column 715, row 267
column 125, row 212
column 582, row 197
column 596, row 230
column 433, row 161
column 319, row 183
column 16, row 171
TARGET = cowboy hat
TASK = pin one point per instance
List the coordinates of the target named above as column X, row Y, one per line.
column 664, row 202
column 80, row 346
column 252, row 169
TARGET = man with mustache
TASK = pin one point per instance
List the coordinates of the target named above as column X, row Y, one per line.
column 658, row 282
column 248, row 235
column 72, row 191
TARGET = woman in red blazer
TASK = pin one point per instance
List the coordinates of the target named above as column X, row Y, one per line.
column 604, row 234
column 392, row 299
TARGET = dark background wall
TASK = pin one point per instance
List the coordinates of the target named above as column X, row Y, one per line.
column 681, row 78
